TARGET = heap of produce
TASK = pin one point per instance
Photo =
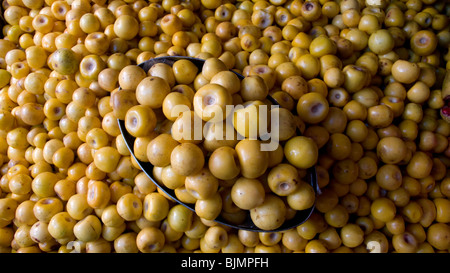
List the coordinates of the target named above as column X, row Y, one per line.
column 363, row 89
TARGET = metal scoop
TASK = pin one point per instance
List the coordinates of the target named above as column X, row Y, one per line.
column 2, row 21
column 311, row 177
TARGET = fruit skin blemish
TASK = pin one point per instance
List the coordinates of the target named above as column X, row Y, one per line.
column 224, row 126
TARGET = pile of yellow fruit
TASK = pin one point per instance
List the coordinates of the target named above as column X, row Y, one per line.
column 363, row 82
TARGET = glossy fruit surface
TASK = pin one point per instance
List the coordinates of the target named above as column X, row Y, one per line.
column 362, row 89
column 64, row 61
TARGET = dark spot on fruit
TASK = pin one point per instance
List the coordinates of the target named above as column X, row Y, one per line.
column 309, row 6
column 408, row 238
column 248, row 43
column 316, row 108
column 47, row 201
column 134, row 121
column 284, row 186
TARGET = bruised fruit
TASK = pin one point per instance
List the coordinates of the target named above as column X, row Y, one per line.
column 65, row 61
